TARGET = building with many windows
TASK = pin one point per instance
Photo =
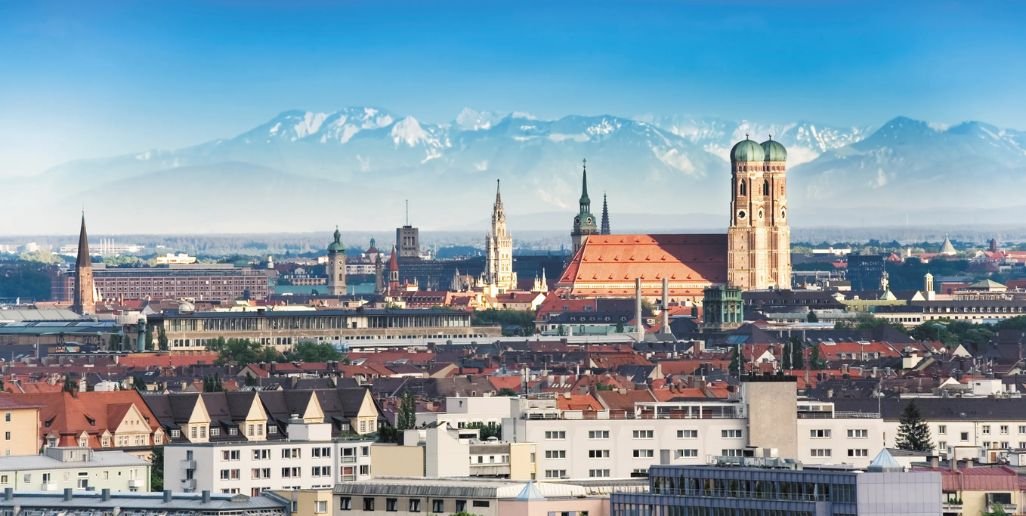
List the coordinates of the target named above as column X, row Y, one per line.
column 360, row 328
column 774, row 487
column 208, row 282
column 309, row 459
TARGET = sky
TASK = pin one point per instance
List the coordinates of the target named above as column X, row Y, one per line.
column 89, row 79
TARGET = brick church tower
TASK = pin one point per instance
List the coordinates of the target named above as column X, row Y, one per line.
column 759, row 238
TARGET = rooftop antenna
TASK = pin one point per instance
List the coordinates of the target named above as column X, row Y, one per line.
column 407, row 212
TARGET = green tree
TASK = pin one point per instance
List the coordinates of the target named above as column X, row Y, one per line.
column 162, row 339
column 157, row 469
column 212, row 383
column 797, row 353
column 913, row 433
column 506, row 391
column 513, row 322
column 243, row 352
column 815, row 362
column 407, row 417
column 812, row 317
column 735, row 359
column 487, row 431
column 313, row 352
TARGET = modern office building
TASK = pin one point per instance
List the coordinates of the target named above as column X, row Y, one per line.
column 207, row 282
column 774, row 487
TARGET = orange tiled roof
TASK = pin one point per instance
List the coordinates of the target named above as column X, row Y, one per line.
column 584, row 402
column 147, row 360
column 607, row 265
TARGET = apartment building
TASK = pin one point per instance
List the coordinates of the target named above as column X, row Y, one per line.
column 309, row 459
column 75, row 468
column 19, row 426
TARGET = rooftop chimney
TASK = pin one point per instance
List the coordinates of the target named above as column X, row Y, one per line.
column 666, row 306
column 105, row 494
column 167, row 495
column 205, row 494
column 67, row 494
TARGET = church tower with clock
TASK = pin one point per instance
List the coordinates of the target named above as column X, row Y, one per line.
column 584, row 221
column 759, row 238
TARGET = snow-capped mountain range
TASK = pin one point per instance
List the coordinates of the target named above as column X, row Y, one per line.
column 306, row 170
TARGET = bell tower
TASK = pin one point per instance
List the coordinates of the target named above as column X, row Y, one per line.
column 584, row 221
column 759, row 237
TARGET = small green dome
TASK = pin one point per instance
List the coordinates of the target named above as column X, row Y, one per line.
column 774, row 150
column 747, row 150
column 336, row 246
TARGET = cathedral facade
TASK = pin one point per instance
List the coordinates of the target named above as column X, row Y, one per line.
column 754, row 254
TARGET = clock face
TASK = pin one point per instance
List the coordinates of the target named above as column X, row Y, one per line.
column 742, row 214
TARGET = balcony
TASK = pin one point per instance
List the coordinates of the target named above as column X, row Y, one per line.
column 188, row 484
column 188, row 464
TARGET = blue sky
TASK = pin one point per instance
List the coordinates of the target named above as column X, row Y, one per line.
column 86, row 79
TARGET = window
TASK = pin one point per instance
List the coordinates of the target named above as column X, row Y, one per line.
column 391, row 504
column 858, row 452
column 686, row 453
column 437, row 506
column 598, row 434
column 7, row 436
column 345, row 503
column 461, row 506
column 1003, row 429
column 942, row 446
column 322, row 452
column 215, row 431
column 598, row 454
column 553, row 473
column 365, row 469
column 291, row 453
column 731, row 452
column 320, row 471
column 414, row 505
column 985, row 429
column 46, row 478
column 321, row 506
column 230, row 455
column 261, row 454
column 175, row 433
column 732, row 434
column 3, row 479
column 550, row 454
column 259, row 473
column 687, row 434
column 292, row 472
column 644, row 434
column 964, row 436
column 858, row 433
column 644, row 454
column 942, row 429
column 233, row 430
column 7, row 417
column 1022, row 429
column 555, row 434
column 818, row 434
column 368, row 504
column 820, row 452
column 598, row 473
column 481, row 503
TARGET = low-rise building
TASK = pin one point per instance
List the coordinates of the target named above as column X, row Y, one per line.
column 414, row 496
column 107, row 502
column 309, row 459
column 75, row 468
column 19, row 427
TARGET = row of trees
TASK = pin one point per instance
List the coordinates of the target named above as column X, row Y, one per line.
column 243, row 352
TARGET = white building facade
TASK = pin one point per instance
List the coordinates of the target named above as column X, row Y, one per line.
column 309, row 459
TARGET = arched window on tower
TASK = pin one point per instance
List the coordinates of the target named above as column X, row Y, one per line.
column 742, row 189
column 765, row 187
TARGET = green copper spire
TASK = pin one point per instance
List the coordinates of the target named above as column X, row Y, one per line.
column 585, row 200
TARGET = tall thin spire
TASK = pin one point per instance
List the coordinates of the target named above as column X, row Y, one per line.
column 605, row 215
column 585, row 200
column 84, row 297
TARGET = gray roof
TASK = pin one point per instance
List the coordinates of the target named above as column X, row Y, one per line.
column 100, row 459
column 126, row 501
column 35, row 314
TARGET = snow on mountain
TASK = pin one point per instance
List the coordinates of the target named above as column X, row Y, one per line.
column 667, row 165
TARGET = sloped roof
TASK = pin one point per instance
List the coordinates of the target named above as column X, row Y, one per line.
column 605, row 262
